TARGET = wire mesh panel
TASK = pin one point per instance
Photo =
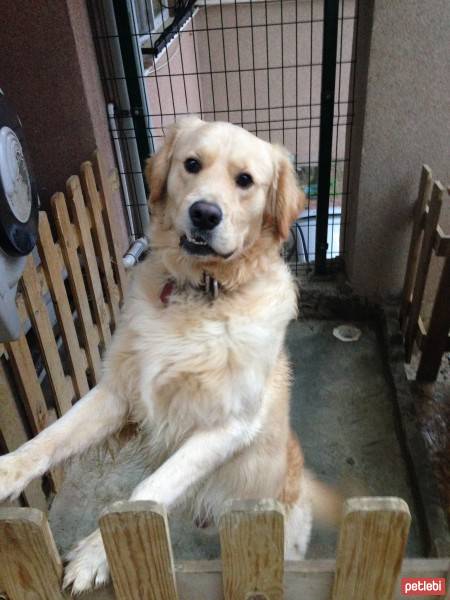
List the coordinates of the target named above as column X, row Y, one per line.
column 258, row 64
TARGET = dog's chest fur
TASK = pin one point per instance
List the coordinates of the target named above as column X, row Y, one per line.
column 194, row 363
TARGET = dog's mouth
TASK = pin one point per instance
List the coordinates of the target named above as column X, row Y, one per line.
column 197, row 245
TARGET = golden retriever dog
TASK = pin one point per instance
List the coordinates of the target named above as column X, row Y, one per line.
column 198, row 356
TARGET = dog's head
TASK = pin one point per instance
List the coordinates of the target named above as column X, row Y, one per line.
column 216, row 188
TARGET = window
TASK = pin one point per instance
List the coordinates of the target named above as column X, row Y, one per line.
column 151, row 16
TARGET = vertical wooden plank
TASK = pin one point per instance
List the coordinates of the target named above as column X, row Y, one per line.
column 28, row 383
column 53, row 268
column 61, row 385
column 68, row 243
column 106, row 200
column 252, row 549
column 441, row 242
column 98, row 232
column 436, row 340
column 422, row 266
column 372, row 541
column 21, row 500
column 425, row 186
column 137, row 542
column 75, row 198
column 30, row 566
column 15, row 434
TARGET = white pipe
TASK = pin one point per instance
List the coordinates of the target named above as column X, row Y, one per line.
column 134, row 252
column 119, row 156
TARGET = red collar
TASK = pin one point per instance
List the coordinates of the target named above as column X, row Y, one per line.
column 167, row 291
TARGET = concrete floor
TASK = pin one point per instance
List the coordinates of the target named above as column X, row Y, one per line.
column 342, row 411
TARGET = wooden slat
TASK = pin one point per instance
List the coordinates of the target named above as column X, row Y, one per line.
column 100, row 239
column 372, row 541
column 30, row 391
column 436, row 339
column 76, row 200
column 30, row 565
column 421, row 332
column 422, row 266
column 426, row 182
column 137, row 542
column 28, row 383
column 252, row 548
column 52, row 264
column 14, row 435
column 441, row 243
column 29, row 388
column 16, row 502
column 68, row 243
column 61, row 385
column 106, row 200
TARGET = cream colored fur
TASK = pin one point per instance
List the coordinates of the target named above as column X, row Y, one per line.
column 209, row 379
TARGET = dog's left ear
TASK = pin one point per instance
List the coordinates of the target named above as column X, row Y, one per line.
column 287, row 199
column 158, row 165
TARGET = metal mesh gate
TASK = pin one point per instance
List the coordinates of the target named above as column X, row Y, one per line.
column 281, row 69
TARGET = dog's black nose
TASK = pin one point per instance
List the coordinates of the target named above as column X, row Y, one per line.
column 205, row 215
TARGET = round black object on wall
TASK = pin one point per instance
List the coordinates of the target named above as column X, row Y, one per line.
column 19, row 202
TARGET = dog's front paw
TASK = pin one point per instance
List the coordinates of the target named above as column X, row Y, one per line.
column 15, row 474
column 87, row 565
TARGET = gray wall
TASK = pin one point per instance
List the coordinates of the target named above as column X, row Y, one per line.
column 404, row 82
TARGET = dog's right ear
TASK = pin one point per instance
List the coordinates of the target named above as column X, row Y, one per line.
column 158, row 165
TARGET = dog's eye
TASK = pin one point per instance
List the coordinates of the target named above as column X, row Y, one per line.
column 192, row 165
column 244, row 180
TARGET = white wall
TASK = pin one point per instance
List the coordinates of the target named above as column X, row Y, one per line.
column 403, row 101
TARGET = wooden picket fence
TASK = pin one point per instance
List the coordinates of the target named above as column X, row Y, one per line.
column 368, row 565
column 69, row 300
column 427, row 237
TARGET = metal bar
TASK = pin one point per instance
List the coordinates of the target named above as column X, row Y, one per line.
column 137, row 102
column 329, row 52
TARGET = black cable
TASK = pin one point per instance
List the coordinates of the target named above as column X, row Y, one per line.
column 305, row 247
column 295, row 246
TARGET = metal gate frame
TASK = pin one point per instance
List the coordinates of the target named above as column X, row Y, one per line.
column 329, row 50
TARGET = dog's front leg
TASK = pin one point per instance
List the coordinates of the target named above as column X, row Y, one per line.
column 92, row 419
column 197, row 458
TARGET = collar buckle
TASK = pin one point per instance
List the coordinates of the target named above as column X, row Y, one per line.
column 211, row 286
